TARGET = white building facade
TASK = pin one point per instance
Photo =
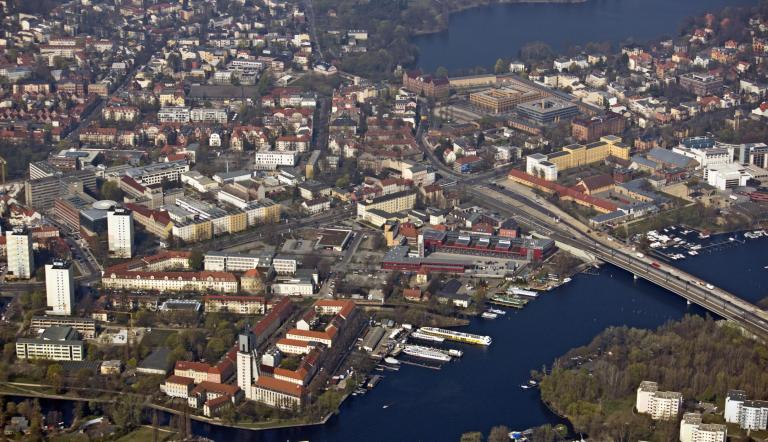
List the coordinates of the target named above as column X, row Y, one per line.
column 59, row 288
column 120, row 232
column 21, row 262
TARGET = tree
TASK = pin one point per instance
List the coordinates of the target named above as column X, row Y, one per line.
column 499, row 433
column 126, row 412
column 111, row 191
column 196, row 259
column 54, row 376
column 215, row 349
column 8, row 351
column 500, row 66
column 343, row 181
column 264, row 84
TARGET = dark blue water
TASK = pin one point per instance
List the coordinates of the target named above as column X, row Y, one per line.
column 479, row 36
column 740, row 269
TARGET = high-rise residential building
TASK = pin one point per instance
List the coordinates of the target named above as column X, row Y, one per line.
column 754, row 415
column 734, row 400
column 749, row 414
column 693, row 430
column 59, row 288
column 661, row 405
column 247, row 369
column 120, row 232
column 21, row 261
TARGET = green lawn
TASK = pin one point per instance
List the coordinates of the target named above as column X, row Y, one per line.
column 143, row 434
column 156, row 338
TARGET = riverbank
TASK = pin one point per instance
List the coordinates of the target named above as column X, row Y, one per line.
column 425, row 318
column 22, row 390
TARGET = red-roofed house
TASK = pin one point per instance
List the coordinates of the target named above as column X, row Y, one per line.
column 178, row 386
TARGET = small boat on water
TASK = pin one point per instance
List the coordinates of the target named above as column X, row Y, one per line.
column 455, row 353
column 489, row 315
column 391, row 360
column 525, row 386
column 498, row 311
column 566, row 280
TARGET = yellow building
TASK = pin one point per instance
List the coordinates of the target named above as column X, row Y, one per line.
column 265, row 211
column 237, row 222
column 171, row 97
column 193, row 231
column 505, row 98
column 576, row 155
column 375, row 208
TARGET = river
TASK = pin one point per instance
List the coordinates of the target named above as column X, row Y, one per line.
column 479, row 36
column 482, row 388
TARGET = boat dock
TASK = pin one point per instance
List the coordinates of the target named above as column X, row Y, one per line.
column 418, row 364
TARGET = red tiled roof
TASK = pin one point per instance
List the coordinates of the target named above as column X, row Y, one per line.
column 294, row 342
column 280, row 386
column 180, row 380
column 216, row 388
column 564, row 191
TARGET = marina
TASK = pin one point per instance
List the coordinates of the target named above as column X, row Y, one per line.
column 678, row 243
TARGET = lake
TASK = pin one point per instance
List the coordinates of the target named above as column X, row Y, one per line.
column 479, row 36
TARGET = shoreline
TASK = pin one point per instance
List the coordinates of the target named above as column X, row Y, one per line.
column 153, row 406
column 483, row 3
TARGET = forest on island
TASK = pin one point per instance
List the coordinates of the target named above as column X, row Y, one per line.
column 594, row 386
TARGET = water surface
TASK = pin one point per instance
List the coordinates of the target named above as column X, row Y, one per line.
column 479, row 36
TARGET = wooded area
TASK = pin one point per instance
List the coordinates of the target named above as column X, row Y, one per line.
column 595, row 385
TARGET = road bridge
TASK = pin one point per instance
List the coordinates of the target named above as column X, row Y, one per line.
column 694, row 289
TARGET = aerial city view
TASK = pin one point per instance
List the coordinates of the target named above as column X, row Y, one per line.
column 384, row 220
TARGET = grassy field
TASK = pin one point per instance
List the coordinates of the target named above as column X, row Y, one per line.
column 156, row 338
column 143, row 434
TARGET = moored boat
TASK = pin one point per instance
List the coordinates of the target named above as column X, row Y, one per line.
column 426, row 353
column 426, row 337
column 453, row 335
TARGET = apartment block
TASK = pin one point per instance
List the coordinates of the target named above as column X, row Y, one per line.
column 661, row 405
column 18, row 251
column 60, row 288
column 54, row 344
